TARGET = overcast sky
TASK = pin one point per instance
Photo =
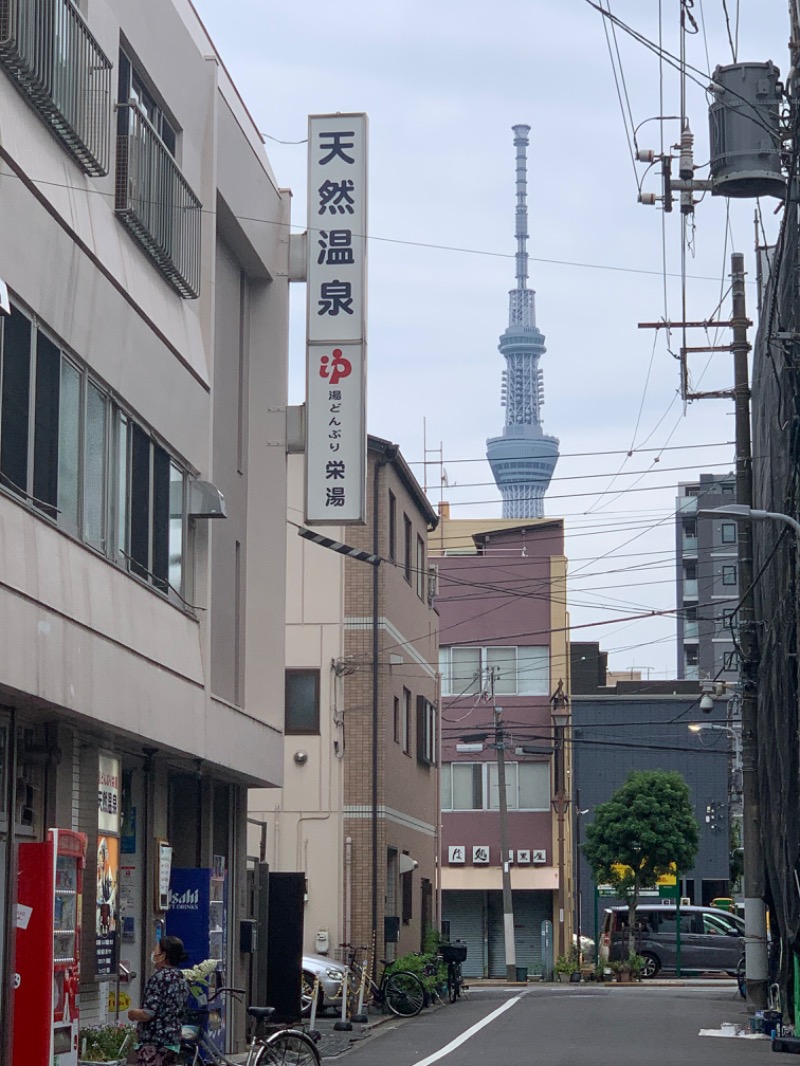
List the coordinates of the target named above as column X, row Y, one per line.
column 443, row 82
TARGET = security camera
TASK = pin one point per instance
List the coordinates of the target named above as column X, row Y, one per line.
column 706, row 704
column 301, row 757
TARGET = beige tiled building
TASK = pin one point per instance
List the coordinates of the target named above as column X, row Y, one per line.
column 143, row 366
column 327, row 821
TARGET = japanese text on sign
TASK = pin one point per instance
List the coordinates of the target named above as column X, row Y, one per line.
column 336, row 320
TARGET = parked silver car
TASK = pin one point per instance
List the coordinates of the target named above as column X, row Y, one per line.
column 712, row 940
column 330, row 974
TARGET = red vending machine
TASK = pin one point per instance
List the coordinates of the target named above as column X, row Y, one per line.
column 50, row 886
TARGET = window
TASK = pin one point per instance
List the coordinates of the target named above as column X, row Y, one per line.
column 302, row 702
column 729, row 575
column 426, row 731
column 420, row 567
column 397, row 719
column 407, row 548
column 153, row 200
column 690, row 570
column 392, row 526
column 132, row 88
column 473, row 786
column 728, row 532
column 691, row 654
column 405, row 724
column 690, row 527
column 513, row 671
column 72, row 454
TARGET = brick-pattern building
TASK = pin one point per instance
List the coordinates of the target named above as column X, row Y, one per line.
column 390, row 789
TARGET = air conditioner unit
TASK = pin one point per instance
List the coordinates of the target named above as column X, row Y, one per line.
column 540, row 857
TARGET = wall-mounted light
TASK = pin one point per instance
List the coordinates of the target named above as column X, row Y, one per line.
column 301, row 757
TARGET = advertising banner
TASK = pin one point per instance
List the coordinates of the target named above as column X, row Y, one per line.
column 107, row 905
column 336, row 435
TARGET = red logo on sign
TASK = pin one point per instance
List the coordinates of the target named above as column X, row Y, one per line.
column 335, row 367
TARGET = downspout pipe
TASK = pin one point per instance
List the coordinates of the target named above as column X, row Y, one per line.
column 390, row 453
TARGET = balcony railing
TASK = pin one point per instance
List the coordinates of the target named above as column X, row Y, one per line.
column 55, row 61
column 155, row 203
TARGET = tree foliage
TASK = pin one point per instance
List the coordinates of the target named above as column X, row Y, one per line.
column 645, row 829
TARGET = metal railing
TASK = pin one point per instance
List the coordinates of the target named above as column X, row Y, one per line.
column 56, row 62
column 156, row 204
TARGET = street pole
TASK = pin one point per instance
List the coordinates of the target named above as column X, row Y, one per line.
column 578, row 902
column 754, row 863
column 560, row 717
column 508, row 909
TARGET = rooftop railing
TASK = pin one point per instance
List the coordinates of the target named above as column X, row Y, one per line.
column 156, row 204
column 55, row 61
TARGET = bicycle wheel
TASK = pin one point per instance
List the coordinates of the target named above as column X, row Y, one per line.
column 288, row 1047
column 452, row 983
column 741, row 981
column 404, row 994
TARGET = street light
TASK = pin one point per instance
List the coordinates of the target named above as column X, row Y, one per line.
column 736, row 736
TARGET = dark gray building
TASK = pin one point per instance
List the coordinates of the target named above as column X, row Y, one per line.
column 643, row 725
column 707, row 579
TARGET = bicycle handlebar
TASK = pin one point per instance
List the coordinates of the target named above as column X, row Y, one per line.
column 228, row 992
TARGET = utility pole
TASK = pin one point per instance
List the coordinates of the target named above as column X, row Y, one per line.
column 754, row 865
column 559, row 702
column 508, row 909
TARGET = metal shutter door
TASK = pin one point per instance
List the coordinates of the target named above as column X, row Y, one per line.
column 465, row 913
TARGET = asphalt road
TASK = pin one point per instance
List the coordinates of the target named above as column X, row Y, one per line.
column 567, row 1026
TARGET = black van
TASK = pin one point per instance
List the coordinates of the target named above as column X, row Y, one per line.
column 712, row 940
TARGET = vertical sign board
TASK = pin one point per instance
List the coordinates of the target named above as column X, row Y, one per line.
column 336, row 365
column 108, row 823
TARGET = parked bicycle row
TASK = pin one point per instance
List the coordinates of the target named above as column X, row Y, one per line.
column 351, row 988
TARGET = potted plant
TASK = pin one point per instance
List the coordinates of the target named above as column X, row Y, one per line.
column 105, row 1043
column 628, row 968
column 566, row 965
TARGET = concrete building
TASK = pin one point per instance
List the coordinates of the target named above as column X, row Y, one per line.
column 504, row 641
column 643, row 725
column 707, row 577
column 143, row 367
column 352, row 815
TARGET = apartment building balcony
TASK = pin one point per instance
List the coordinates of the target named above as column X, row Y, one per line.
column 157, row 206
column 690, row 588
column 689, row 545
column 55, row 61
column 690, row 630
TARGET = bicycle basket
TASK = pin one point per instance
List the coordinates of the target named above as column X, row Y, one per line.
column 456, row 952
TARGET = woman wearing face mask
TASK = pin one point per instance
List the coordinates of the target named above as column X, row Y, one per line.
column 160, row 1016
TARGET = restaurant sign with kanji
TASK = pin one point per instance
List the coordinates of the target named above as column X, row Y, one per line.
column 336, row 315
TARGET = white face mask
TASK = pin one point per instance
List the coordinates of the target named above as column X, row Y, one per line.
column 153, row 957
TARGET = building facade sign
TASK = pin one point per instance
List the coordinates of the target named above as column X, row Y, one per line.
column 336, row 317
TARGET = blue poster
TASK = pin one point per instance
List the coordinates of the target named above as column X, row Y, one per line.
column 188, row 912
column 190, row 918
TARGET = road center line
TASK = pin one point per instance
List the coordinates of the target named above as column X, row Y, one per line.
column 473, row 1029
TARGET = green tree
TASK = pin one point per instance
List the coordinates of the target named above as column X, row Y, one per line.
column 644, row 829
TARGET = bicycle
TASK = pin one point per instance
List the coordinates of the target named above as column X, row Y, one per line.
column 399, row 990
column 453, row 955
column 271, row 1045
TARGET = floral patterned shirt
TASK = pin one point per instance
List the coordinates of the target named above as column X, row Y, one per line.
column 165, row 996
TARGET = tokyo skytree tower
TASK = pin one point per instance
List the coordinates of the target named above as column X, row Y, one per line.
column 524, row 457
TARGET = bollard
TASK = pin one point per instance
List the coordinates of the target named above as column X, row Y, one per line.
column 360, row 1016
column 312, row 1018
column 343, row 1025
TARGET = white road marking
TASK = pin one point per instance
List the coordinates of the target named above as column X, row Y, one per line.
column 473, row 1029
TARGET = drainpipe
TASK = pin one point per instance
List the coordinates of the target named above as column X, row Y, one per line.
column 10, row 923
column 390, row 453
